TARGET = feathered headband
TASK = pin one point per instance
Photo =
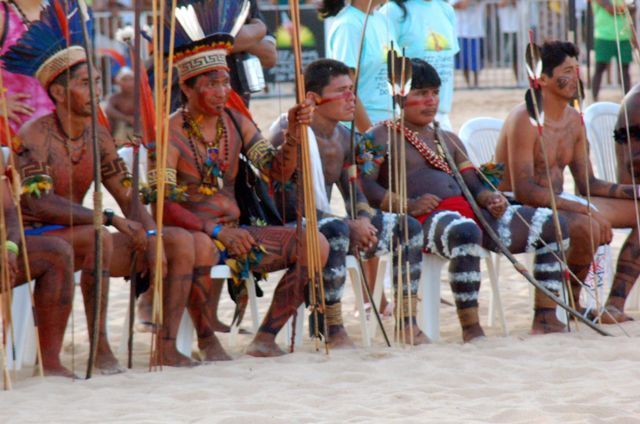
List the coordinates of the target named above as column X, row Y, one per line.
column 50, row 45
column 204, row 34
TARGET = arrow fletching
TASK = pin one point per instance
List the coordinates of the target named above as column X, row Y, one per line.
column 533, row 61
column 533, row 101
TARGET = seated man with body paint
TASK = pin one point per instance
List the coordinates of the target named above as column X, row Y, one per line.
column 601, row 204
column 372, row 231
column 450, row 227
column 205, row 143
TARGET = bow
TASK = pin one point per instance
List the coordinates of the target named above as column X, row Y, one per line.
column 353, row 171
column 314, row 264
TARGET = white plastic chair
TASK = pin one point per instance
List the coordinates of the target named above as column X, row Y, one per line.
column 480, row 138
column 367, row 328
column 600, row 120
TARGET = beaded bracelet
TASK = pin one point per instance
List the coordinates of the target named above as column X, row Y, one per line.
column 152, row 233
column 216, row 231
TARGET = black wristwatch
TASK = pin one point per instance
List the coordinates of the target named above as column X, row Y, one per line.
column 108, row 215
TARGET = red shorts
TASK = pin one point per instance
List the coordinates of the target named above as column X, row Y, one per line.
column 456, row 203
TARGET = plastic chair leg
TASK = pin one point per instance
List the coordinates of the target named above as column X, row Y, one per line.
column 429, row 310
column 356, row 282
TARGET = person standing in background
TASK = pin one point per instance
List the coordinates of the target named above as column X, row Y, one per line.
column 470, row 19
column 427, row 30
column 610, row 27
column 26, row 99
column 374, row 100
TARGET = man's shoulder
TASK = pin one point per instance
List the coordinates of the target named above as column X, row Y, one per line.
column 35, row 129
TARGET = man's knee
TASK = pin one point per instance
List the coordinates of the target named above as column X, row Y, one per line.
column 178, row 243
column 415, row 231
column 324, row 249
column 582, row 232
column 206, row 253
column 334, row 228
column 466, row 232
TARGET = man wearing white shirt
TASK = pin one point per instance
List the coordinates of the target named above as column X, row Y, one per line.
column 470, row 15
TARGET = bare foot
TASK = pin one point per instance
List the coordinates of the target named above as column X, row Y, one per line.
column 172, row 358
column 57, row 370
column 211, row 350
column 472, row 332
column 220, row 327
column 339, row 339
column 108, row 364
column 264, row 346
column 418, row 336
column 614, row 315
column 545, row 321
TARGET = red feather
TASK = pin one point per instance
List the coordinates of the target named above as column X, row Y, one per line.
column 62, row 18
column 236, row 102
column 147, row 111
column 103, row 120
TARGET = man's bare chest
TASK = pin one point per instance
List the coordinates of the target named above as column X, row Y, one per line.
column 333, row 157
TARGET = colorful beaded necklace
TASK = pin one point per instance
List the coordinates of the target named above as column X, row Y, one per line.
column 211, row 168
column 433, row 158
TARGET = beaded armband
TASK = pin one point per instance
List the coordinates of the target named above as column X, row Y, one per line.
column 391, row 202
column 117, row 167
column 173, row 191
column 261, row 154
column 465, row 166
column 36, row 185
column 492, row 174
column 368, row 155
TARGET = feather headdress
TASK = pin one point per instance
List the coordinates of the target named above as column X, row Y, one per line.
column 51, row 44
column 204, row 34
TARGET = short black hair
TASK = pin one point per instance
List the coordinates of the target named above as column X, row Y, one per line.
column 318, row 74
column 423, row 75
column 553, row 53
column 329, row 8
column 64, row 78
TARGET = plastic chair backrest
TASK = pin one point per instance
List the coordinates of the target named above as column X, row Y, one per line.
column 600, row 119
column 480, row 138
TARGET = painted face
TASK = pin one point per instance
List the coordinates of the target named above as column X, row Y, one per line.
column 421, row 105
column 210, row 92
column 337, row 102
column 564, row 81
column 77, row 96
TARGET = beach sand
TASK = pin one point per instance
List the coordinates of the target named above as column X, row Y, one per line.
column 579, row 377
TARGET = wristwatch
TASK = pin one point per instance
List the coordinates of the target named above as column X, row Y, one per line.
column 108, row 217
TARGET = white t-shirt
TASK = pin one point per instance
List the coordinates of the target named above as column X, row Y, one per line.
column 471, row 20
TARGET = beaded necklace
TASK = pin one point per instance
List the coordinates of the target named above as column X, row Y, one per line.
column 75, row 153
column 211, row 168
column 433, row 158
column 23, row 16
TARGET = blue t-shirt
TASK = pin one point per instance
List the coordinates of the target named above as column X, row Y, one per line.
column 344, row 44
column 428, row 32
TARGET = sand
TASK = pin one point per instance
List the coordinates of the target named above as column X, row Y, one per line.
column 570, row 378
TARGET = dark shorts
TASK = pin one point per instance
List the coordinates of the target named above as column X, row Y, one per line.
column 607, row 49
column 470, row 56
column 41, row 229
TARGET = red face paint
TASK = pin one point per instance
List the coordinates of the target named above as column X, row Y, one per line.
column 345, row 95
column 419, row 102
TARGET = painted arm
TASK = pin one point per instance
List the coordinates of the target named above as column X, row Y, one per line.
column 582, row 172
column 45, row 205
